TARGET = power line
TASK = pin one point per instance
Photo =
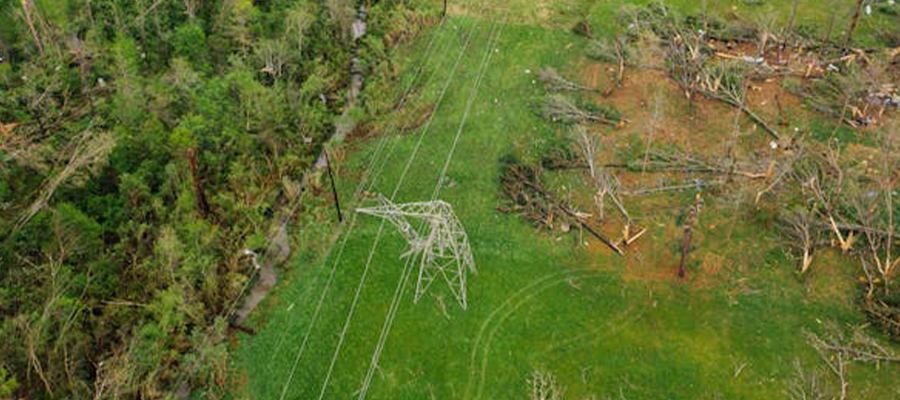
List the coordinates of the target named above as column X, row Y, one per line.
column 362, row 280
column 404, row 101
column 401, row 287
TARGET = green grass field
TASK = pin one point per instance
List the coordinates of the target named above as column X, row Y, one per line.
column 538, row 301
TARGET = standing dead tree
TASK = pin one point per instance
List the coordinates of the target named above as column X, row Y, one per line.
column 544, row 387
column 821, row 179
column 525, row 195
column 806, row 385
column 615, row 51
column 874, row 213
column 801, row 231
column 607, row 186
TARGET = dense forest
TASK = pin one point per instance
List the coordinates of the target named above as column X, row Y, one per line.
column 148, row 147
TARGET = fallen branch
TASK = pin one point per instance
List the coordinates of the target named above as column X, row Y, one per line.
column 746, row 110
column 560, row 108
column 555, row 82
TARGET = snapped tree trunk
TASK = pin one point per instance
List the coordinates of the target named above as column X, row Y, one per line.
column 202, row 202
column 27, row 8
column 854, row 20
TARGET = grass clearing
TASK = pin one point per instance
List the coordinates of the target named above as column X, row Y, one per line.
column 603, row 325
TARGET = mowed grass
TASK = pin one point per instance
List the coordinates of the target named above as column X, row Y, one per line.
column 538, row 301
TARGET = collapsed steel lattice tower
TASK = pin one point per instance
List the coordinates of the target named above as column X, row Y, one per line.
column 440, row 245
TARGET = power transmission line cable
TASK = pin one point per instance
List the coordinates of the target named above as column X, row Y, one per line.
column 401, row 286
column 377, row 240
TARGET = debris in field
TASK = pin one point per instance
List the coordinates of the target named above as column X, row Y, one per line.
column 886, row 95
column 526, row 195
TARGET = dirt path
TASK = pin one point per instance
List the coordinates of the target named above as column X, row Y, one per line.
column 279, row 249
column 279, row 252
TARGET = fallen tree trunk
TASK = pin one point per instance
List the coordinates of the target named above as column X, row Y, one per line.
column 746, row 110
column 609, row 243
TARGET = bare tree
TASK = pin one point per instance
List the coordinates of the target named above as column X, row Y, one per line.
column 273, row 55
column 801, row 232
column 874, row 206
column 544, row 387
column 837, row 349
column 806, row 385
column 297, row 22
column 836, row 361
column 341, row 13
column 607, row 185
column 819, row 177
column 615, row 51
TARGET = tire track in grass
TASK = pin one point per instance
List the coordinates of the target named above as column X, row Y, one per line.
column 514, row 299
column 479, row 365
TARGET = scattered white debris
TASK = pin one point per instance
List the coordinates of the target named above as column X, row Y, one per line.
column 527, row 71
column 868, row 9
column 358, row 29
column 833, row 68
column 253, row 255
column 773, row 144
column 754, row 60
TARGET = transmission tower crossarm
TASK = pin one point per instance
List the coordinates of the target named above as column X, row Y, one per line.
column 441, row 248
